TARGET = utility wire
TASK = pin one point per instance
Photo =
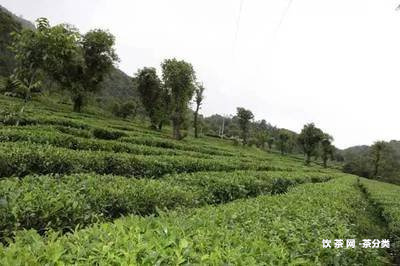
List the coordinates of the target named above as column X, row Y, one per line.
column 284, row 14
column 238, row 23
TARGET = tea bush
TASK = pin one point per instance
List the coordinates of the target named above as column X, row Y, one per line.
column 62, row 203
column 23, row 158
column 386, row 198
column 50, row 136
column 269, row 230
column 222, row 187
column 102, row 133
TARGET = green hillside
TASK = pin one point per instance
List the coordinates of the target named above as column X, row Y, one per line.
column 116, row 85
column 88, row 188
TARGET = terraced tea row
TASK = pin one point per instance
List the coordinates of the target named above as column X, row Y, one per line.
column 386, row 198
column 273, row 230
column 62, row 203
column 54, row 138
column 23, row 158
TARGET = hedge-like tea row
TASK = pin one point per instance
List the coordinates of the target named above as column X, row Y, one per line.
column 280, row 230
column 172, row 144
column 49, row 136
column 21, row 158
column 221, row 187
column 386, row 198
column 62, row 203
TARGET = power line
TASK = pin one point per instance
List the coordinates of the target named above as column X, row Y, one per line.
column 238, row 22
column 284, row 14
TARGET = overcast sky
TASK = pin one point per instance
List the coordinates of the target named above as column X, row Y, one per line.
column 332, row 62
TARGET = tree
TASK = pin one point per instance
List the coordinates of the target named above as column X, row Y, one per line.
column 376, row 150
column 179, row 79
column 326, row 148
column 283, row 139
column 77, row 62
column 309, row 140
column 261, row 137
column 96, row 50
column 270, row 142
column 244, row 119
column 125, row 109
column 30, row 48
column 152, row 96
column 199, row 91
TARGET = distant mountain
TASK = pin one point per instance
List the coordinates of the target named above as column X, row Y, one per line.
column 24, row 23
column 116, row 85
column 355, row 151
column 359, row 160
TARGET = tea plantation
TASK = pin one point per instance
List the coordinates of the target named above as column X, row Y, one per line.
column 90, row 189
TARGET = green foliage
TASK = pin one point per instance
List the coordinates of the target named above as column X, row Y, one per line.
column 20, row 159
column 386, row 199
column 153, row 96
column 283, row 141
column 7, row 25
column 327, row 148
column 77, row 62
column 179, row 80
column 267, row 209
column 244, row 119
column 64, row 202
column 380, row 161
column 102, row 133
column 266, row 230
column 125, row 110
column 199, row 97
column 309, row 140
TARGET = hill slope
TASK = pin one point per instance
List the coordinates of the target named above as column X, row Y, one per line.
column 116, row 85
column 196, row 201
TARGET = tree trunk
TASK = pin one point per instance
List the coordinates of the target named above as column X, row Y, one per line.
column 325, row 159
column 78, row 102
column 160, row 126
column 308, row 159
column 196, row 113
column 176, row 133
column 376, row 164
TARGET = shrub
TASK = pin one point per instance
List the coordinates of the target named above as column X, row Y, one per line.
column 386, row 200
column 101, row 133
column 266, row 230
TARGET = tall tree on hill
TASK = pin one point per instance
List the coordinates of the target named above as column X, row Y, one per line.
column 179, row 79
column 309, row 140
column 152, row 96
column 326, row 148
column 377, row 150
column 244, row 120
column 283, row 141
column 198, row 99
column 30, row 48
column 77, row 62
column 270, row 141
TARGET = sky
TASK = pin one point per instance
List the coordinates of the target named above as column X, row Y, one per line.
column 335, row 63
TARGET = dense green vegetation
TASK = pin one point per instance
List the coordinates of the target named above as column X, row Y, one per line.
column 380, row 161
column 262, row 230
column 150, row 182
column 385, row 197
column 71, row 178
